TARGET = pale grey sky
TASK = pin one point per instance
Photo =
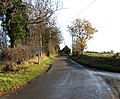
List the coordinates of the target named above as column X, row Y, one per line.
column 103, row 14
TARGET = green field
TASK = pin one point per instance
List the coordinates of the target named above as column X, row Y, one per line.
column 100, row 54
column 104, row 61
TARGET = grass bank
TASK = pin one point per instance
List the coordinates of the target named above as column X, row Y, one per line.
column 13, row 80
column 99, row 61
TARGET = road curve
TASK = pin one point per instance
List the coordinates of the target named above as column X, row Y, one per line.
column 65, row 80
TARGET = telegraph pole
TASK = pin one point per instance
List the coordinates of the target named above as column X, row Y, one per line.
column 72, row 43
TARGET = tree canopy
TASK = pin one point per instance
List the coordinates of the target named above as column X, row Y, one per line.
column 81, row 31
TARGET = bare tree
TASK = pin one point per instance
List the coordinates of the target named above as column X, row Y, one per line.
column 3, row 40
column 41, row 10
column 4, row 5
column 40, row 14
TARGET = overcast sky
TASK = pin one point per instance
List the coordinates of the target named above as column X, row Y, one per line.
column 103, row 14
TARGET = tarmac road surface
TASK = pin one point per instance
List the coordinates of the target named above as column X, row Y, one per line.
column 65, row 80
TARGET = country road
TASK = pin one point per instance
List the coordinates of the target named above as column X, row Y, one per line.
column 65, row 80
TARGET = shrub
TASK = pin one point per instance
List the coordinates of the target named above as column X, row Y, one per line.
column 15, row 56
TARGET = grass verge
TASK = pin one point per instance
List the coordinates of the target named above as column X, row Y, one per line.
column 13, row 80
column 103, row 63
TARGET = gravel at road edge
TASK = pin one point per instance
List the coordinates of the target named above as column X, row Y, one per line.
column 114, row 84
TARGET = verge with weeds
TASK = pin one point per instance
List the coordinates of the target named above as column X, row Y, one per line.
column 13, row 80
column 99, row 62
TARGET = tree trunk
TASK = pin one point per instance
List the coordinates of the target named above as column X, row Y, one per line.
column 12, row 43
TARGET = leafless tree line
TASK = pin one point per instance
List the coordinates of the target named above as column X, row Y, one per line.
column 41, row 28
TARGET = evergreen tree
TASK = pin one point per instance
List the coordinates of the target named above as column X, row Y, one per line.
column 15, row 22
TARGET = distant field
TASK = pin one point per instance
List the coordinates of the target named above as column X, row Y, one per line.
column 104, row 61
column 100, row 54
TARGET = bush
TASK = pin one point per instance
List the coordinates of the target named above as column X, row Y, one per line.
column 15, row 56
